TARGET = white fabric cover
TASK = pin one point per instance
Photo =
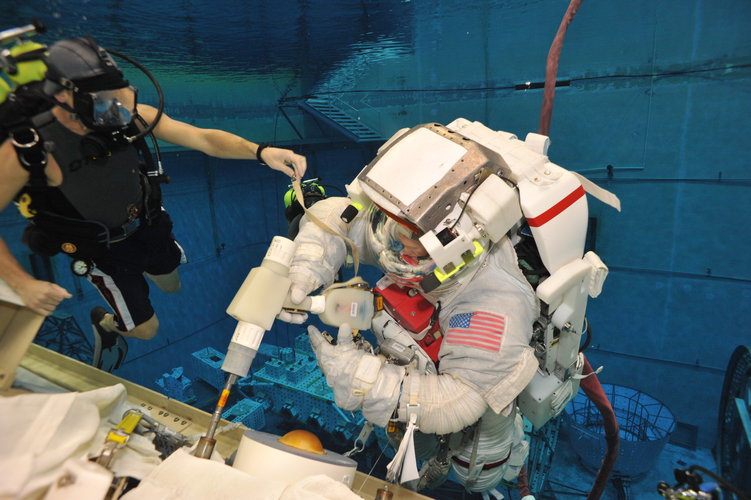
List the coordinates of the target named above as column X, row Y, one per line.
column 92, row 481
column 318, row 487
column 185, row 477
column 41, row 431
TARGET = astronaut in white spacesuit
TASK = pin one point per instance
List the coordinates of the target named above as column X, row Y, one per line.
column 439, row 214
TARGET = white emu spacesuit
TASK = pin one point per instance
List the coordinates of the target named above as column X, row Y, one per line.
column 439, row 211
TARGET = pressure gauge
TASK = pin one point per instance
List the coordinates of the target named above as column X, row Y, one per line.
column 80, row 267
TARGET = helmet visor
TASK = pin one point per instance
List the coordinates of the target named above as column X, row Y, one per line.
column 399, row 253
column 113, row 108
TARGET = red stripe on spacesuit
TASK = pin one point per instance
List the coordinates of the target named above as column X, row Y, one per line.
column 556, row 209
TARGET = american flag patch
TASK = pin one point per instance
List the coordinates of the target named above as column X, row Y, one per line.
column 477, row 329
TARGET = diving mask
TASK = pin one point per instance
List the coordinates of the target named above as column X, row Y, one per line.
column 111, row 109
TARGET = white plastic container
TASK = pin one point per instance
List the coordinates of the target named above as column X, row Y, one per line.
column 337, row 306
column 353, row 306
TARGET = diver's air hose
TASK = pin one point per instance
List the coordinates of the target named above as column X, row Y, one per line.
column 160, row 94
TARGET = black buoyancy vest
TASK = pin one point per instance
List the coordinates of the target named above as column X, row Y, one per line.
column 106, row 190
column 99, row 200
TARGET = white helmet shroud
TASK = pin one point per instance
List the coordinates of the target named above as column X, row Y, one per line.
column 448, row 188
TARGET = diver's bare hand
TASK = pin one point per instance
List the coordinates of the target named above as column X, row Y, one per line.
column 284, row 160
column 42, row 296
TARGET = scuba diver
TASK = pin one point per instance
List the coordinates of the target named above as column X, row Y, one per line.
column 461, row 332
column 312, row 192
column 84, row 177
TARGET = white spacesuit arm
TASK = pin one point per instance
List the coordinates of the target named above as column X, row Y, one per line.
column 360, row 379
column 318, row 254
column 444, row 404
column 461, row 393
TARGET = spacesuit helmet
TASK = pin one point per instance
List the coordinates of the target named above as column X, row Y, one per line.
column 437, row 184
column 102, row 98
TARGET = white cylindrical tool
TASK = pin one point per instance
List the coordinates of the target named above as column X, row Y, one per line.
column 257, row 303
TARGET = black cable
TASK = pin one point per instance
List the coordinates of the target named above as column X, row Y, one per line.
column 588, row 340
column 336, row 188
column 157, row 151
column 564, row 485
column 514, row 87
column 160, row 94
column 464, row 207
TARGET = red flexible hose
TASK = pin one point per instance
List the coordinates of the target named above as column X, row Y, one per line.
column 592, row 388
column 551, row 68
column 522, row 482
column 590, row 385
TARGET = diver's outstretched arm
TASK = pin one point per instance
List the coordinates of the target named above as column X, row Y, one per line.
column 222, row 144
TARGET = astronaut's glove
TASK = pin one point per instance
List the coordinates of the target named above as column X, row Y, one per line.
column 358, row 378
column 318, row 253
column 295, row 318
column 305, row 278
